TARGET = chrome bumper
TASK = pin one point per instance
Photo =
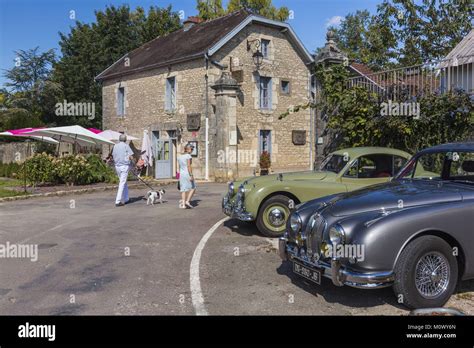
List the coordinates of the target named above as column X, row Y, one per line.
column 337, row 272
column 230, row 210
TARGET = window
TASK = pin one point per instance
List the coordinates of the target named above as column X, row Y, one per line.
column 170, row 94
column 333, row 163
column 285, row 87
column 265, row 87
column 265, row 44
column 398, row 163
column 265, row 141
column 121, row 101
column 371, row 166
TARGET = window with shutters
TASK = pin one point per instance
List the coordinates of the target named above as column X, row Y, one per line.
column 170, row 94
column 265, row 93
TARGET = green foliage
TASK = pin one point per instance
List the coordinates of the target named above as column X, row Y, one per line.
column 40, row 169
column 32, row 91
column 90, row 48
column 10, row 170
column 43, row 168
column 354, row 116
column 209, row 9
column 404, row 32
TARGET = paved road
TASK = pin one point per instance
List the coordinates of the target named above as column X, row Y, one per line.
column 98, row 259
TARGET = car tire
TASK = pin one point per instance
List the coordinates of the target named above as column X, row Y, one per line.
column 269, row 223
column 426, row 273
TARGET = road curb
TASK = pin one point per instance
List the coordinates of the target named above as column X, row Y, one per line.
column 81, row 191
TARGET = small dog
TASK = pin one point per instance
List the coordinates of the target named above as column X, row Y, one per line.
column 153, row 197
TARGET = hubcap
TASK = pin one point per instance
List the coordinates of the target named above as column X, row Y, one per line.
column 432, row 275
column 276, row 217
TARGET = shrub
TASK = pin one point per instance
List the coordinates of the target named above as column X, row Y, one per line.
column 71, row 170
column 40, row 169
column 10, row 170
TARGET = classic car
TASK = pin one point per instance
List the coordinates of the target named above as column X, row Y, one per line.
column 413, row 233
column 268, row 199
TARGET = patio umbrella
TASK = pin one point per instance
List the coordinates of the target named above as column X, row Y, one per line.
column 71, row 134
column 95, row 130
column 146, row 152
column 114, row 136
column 22, row 133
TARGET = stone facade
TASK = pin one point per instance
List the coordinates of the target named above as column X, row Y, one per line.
column 241, row 119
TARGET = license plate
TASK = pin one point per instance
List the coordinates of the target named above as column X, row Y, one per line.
column 308, row 273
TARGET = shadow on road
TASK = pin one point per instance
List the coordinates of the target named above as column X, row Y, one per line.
column 347, row 296
column 241, row 227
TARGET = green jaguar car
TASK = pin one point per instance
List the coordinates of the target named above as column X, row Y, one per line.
column 268, row 200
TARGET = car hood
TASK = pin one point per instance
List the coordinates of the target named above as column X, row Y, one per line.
column 293, row 176
column 393, row 195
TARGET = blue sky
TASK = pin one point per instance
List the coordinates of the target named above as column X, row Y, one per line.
column 26, row 24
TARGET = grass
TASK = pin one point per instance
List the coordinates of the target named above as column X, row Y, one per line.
column 5, row 184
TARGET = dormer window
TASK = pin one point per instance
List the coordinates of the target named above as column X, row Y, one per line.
column 265, row 46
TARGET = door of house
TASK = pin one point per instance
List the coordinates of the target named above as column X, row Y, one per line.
column 163, row 158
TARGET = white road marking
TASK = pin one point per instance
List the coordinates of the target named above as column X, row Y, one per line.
column 196, row 293
column 41, row 233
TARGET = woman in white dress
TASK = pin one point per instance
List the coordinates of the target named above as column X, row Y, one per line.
column 187, row 185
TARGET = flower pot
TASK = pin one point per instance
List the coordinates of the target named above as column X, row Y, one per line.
column 264, row 171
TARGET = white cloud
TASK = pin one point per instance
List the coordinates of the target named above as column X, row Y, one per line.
column 334, row 21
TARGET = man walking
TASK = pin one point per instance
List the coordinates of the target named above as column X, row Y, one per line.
column 122, row 154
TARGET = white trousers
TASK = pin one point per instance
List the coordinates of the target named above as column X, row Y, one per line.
column 122, row 193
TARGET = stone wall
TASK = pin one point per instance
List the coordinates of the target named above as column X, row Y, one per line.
column 145, row 103
column 16, row 151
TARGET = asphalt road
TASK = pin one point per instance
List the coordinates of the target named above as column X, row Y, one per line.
column 95, row 258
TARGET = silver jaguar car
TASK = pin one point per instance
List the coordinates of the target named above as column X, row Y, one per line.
column 414, row 233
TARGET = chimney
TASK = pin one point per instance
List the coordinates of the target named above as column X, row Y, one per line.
column 188, row 23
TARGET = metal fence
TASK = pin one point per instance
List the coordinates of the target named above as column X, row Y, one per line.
column 410, row 82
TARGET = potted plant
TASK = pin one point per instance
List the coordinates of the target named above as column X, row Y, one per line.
column 265, row 163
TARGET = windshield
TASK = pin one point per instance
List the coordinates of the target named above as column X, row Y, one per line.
column 449, row 166
column 334, row 163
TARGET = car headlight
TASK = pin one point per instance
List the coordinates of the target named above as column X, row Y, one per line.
column 337, row 234
column 231, row 188
column 295, row 222
column 241, row 189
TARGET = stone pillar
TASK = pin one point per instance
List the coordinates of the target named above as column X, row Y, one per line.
column 225, row 144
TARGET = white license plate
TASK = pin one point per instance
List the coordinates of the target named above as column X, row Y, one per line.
column 311, row 274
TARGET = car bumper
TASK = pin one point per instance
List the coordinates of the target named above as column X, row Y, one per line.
column 230, row 210
column 337, row 272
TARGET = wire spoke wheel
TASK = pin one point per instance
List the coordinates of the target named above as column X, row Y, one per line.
column 432, row 275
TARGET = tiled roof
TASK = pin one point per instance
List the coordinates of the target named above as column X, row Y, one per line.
column 176, row 46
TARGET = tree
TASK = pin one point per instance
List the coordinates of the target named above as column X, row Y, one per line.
column 403, row 32
column 366, row 39
column 428, row 30
column 90, row 48
column 209, row 9
column 32, row 91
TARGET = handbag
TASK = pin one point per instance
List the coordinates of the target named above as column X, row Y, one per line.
column 177, row 177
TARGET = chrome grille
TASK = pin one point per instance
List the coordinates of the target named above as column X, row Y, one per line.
column 314, row 233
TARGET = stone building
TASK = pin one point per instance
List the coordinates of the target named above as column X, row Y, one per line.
column 222, row 85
